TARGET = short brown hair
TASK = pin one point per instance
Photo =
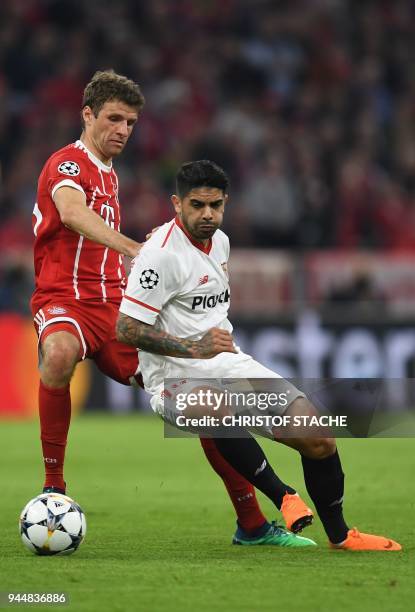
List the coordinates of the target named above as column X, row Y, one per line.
column 107, row 85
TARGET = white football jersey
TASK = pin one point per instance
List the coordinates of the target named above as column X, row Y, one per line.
column 182, row 288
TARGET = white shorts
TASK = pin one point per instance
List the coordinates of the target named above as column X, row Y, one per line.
column 231, row 371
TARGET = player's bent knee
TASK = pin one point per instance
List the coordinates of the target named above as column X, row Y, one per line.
column 60, row 353
column 319, row 448
column 313, row 448
column 57, row 367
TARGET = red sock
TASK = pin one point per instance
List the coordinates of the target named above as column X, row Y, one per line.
column 55, row 416
column 241, row 492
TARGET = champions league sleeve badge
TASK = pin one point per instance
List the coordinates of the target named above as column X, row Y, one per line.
column 149, row 279
column 70, row 168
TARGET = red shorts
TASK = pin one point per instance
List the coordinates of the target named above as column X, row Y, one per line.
column 94, row 326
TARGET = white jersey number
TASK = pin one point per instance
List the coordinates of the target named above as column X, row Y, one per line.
column 39, row 217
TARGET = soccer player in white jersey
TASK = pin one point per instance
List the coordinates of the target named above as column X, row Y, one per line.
column 175, row 309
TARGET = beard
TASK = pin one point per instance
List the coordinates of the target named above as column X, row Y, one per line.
column 204, row 231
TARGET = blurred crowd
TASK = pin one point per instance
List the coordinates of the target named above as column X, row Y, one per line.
column 308, row 104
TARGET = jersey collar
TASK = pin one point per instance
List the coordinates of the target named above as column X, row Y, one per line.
column 80, row 145
column 199, row 245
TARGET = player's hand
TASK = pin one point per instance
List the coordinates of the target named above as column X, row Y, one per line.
column 215, row 341
column 129, row 261
column 134, row 249
column 148, row 236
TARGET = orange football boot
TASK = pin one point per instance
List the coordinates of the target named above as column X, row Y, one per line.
column 295, row 512
column 365, row 541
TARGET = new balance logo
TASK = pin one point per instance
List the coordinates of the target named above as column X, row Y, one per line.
column 261, row 468
column 50, row 460
column 203, row 280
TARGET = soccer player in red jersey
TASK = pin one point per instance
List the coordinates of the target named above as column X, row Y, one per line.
column 80, row 281
column 78, row 252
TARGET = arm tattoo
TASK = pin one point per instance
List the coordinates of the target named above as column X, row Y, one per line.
column 144, row 336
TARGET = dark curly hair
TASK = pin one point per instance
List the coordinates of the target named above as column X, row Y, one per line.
column 201, row 173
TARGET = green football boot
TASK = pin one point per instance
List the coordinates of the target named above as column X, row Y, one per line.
column 273, row 535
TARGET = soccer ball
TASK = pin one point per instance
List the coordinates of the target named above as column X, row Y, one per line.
column 52, row 524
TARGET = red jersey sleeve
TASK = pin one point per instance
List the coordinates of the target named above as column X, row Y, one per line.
column 67, row 168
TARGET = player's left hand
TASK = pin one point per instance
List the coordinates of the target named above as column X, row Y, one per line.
column 215, row 341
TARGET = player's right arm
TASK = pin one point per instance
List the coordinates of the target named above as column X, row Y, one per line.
column 155, row 279
column 75, row 214
column 146, row 337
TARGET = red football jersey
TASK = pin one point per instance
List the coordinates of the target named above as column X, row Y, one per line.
column 68, row 265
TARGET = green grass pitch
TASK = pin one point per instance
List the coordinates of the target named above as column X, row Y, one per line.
column 160, row 526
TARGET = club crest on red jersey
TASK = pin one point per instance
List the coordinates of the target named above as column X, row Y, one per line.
column 70, row 168
column 56, row 310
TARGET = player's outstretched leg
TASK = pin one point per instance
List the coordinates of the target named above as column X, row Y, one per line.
column 248, row 459
column 251, row 520
column 324, row 480
column 253, row 528
column 60, row 353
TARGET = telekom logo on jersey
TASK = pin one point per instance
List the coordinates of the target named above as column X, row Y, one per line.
column 108, row 214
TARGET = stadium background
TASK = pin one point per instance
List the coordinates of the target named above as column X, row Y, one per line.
column 309, row 106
